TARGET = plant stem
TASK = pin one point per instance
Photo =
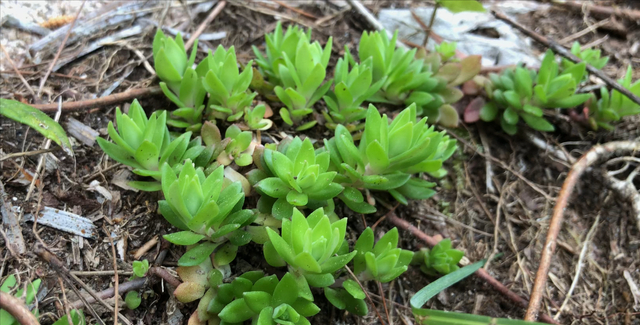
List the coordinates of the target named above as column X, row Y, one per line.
column 431, row 21
column 384, row 302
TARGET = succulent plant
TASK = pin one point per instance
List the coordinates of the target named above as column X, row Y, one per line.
column 196, row 280
column 521, row 93
column 302, row 77
column 140, row 269
column 447, row 73
column 228, row 89
column 203, row 209
column 352, row 88
column 144, row 144
column 254, row 118
column 278, row 43
column 446, row 50
column 296, row 175
column 264, row 300
column 382, row 262
column 441, row 259
column 428, row 80
column 391, row 63
column 238, row 148
column 589, row 56
column 349, row 300
column 132, row 300
column 309, row 246
column 611, row 107
column 180, row 83
column 388, row 154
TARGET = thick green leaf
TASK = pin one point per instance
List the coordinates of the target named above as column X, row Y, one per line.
column 37, row 120
column 285, row 292
column 183, row 238
column 353, row 288
column 236, row 312
column 537, row 123
column 335, row 298
column 77, row 318
column 197, row 254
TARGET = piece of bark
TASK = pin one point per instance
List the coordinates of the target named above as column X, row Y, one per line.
column 82, row 132
column 11, row 224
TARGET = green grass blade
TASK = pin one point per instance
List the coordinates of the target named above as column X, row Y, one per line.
column 37, row 120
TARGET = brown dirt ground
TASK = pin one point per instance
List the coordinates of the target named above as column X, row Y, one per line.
column 601, row 297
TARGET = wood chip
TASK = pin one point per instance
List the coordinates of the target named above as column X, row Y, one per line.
column 65, row 221
column 82, row 132
column 10, row 222
column 634, row 289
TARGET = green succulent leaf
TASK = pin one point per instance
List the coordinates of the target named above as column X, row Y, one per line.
column 197, row 254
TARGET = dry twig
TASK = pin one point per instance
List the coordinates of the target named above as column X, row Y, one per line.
column 600, row 11
column 145, row 248
column 488, row 166
column 17, row 309
column 294, row 9
column 583, row 254
column 115, row 275
column 64, row 42
column 10, row 220
column 108, row 293
column 62, row 270
column 624, row 189
column 101, row 102
column 355, row 278
column 205, row 23
column 15, row 69
column 371, row 19
column 589, row 158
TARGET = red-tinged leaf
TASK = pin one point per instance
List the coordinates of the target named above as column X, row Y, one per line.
column 472, row 111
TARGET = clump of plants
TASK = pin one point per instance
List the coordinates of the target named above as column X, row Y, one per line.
column 387, row 156
column 352, row 87
column 441, row 259
column 205, row 180
column 217, row 76
column 589, row 56
column 427, row 80
column 180, row 82
column 522, row 93
column 612, row 106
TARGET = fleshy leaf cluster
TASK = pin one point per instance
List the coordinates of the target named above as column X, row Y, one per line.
column 302, row 76
column 428, row 80
column 277, row 45
column 296, row 175
column 441, row 259
column 387, row 155
column 612, row 106
column 180, row 83
column 590, row 56
column 264, row 300
column 310, row 246
column 352, row 87
column 204, row 209
column 522, row 93
column 382, row 262
column 228, row 88
column 145, row 144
